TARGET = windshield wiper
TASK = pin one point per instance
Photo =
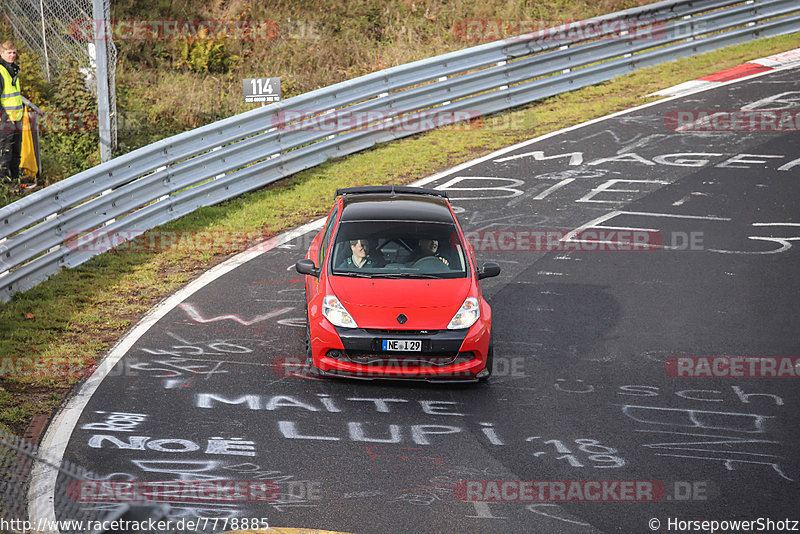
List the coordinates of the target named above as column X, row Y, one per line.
column 351, row 273
column 408, row 275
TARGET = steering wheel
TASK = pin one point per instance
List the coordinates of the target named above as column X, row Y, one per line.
column 432, row 263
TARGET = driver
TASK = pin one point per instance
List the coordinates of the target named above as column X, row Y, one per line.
column 360, row 255
column 426, row 248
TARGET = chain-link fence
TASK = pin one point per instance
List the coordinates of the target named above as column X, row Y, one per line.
column 18, row 460
column 44, row 496
column 56, row 30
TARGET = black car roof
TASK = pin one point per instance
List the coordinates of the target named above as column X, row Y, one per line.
column 397, row 207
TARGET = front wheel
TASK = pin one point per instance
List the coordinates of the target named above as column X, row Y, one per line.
column 309, row 368
column 489, row 360
column 308, row 342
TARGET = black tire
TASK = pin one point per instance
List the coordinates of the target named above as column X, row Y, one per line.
column 309, row 368
column 308, row 342
column 489, row 359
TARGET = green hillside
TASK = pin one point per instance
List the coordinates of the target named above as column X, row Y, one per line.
column 176, row 81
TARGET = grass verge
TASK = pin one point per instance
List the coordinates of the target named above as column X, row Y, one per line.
column 52, row 335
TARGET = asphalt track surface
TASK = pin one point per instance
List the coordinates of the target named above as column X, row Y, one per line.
column 580, row 390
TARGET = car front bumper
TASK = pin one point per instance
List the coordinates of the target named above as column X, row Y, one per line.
column 445, row 355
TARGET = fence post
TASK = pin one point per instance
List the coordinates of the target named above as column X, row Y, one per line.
column 44, row 41
column 101, row 75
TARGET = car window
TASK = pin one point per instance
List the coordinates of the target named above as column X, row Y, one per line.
column 327, row 237
column 399, row 249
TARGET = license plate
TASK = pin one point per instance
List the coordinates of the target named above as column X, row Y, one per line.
column 405, row 345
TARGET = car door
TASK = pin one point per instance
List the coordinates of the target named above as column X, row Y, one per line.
column 319, row 253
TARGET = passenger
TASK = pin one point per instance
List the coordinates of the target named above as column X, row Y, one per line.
column 360, row 255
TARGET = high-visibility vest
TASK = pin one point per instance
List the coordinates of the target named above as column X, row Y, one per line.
column 11, row 99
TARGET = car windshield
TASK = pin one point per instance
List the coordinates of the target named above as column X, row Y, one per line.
column 399, row 249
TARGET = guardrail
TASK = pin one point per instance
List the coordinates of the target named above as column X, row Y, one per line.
column 172, row 177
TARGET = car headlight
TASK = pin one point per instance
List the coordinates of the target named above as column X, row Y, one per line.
column 467, row 314
column 333, row 310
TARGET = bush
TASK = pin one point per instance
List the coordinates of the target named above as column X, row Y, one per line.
column 70, row 145
column 201, row 54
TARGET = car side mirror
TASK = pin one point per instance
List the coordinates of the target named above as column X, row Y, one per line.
column 308, row 267
column 488, row 270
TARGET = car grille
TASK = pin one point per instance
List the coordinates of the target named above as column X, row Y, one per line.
column 403, row 359
column 377, row 332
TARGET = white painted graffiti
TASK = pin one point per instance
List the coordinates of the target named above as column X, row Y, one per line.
column 787, row 100
column 354, row 430
column 362, row 494
column 217, row 348
column 190, row 360
column 705, row 434
column 605, row 457
column 697, row 419
column 293, row 492
column 784, row 242
column 607, row 187
column 705, row 424
column 117, row 421
column 420, row 434
column 703, row 395
column 215, row 445
column 177, row 511
column 275, row 402
column 175, row 367
column 194, row 314
column 539, row 509
column 488, row 187
column 599, row 223
column 679, row 159
column 482, row 511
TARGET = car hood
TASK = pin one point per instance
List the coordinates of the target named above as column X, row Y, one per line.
column 377, row 302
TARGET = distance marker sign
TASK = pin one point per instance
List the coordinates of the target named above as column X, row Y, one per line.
column 262, row 89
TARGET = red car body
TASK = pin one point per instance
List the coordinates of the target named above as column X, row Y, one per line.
column 406, row 312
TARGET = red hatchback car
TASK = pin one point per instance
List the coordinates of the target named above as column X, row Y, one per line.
column 393, row 290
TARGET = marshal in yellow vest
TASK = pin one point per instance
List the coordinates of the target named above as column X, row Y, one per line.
column 11, row 99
